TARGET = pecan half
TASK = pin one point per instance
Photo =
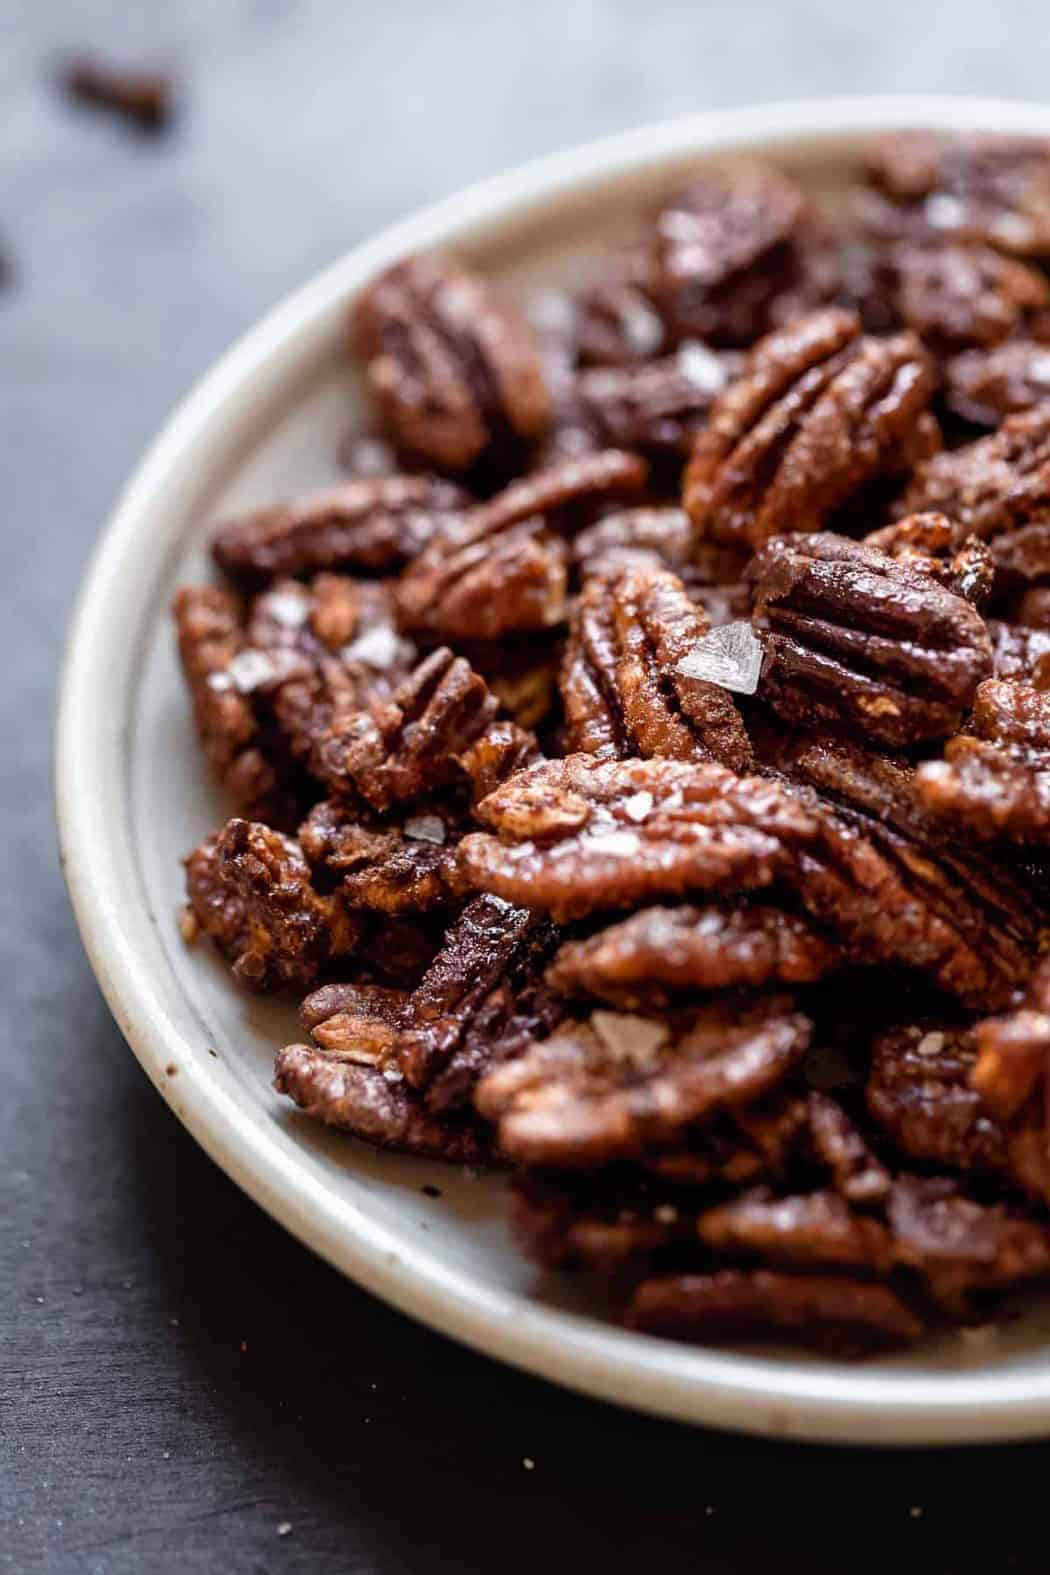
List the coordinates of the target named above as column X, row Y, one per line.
column 960, row 1246
column 954, row 296
column 376, row 523
column 974, row 186
column 658, row 953
column 991, row 486
column 250, row 890
column 404, row 869
column 621, row 1085
column 404, row 747
column 622, row 691
column 803, row 1231
column 822, row 1310
column 818, row 412
column 983, row 386
column 580, row 834
column 858, row 640
column 454, row 371
column 503, row 572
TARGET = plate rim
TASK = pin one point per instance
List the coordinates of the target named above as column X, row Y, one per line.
column 745, row 1393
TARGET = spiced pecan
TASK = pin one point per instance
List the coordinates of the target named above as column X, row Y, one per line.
column 454, row 371
column 364, row 1099
column 983, row 386
column 1020, row 650
column 919, row 1092
column 399, row 749
column 858, row 640
column 622, row 689
column 991, row 486
column 856, row 1170
column 995, row 779
column 845, row 1315
column 895, row 887
column 615, row 1231
column 503, row 571
column 961, row 1247
column 613, row 319
column 801, row 1231
column 933, row 544
column 376, row 524
column 251, row 892
column 974, row 186
column 818, row 412
column 730, row 255
column 620, row 1085
column 734, row 1146
column 403, row 869
column 955, row 296
column 580, row 834
column 660, row 953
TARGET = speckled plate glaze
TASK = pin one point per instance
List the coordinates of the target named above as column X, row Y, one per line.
column 133, row 798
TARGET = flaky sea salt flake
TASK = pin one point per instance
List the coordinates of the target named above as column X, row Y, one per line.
column 629, row 1038
column 730, row 656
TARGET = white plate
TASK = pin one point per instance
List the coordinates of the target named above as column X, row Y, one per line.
column 133, row 798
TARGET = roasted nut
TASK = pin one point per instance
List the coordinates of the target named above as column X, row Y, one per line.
column 660, row 953
column 581, row 834
column 995, row 780
column 972, row 186
column 932, row 544
column 856, row 1171
column 983, row 386
column 503, row 572
column 622, row 689
column 616, row 1232
column 955, row 296
column 815, row 1229
column 817, row 413
column 405, row 747
column 960, row 1246
column 395, row 870
column 844, row 1315
column 858, row 640
column 455, row 373
column 251, row 892
column 1013, row 1058
column 376, row 524
column 991, row 486
column 620, row 1085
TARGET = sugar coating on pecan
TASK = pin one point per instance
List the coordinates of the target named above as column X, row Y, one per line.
column 857, row 1173
column 818, row 412
column 403, row 869
column 454, row 371
column 660, row 953
column 623, row 691
column 975, row 186
column 402, row 748
column 619, row 1085
column 984, row 386
column 993, row 485
column 802, row 1231
column 374, row 523
column 1020, row 650
column 251, row 891
column 858, row 640
column 833, row 1312
column 933, row 544
column 580, row 834
column 919, row 1092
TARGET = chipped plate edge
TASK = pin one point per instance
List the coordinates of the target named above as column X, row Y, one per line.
column 747, row 1393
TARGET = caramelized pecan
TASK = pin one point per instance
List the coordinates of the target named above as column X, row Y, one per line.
column 818, row 412
column 995, row 779
column 983, row 386
column 991, row 486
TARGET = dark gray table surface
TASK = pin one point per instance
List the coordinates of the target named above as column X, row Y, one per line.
column 178, row 1379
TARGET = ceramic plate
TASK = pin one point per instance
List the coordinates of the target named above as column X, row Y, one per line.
column 133, row 798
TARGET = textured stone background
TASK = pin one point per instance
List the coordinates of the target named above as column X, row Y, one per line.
column 137, row 1433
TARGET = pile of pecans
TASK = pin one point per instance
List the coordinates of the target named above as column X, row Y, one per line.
column 642, row 758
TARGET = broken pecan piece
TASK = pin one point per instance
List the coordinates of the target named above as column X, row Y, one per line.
column 858, row 640
column 622, row 691
column 974, row 186
column 395, row 870
column 856, row 1171
column 455, row 372
column 1014, row 1052
column 376, row 523
column 251, row 892
column 620, row 1085
column 932, row 544
column 818, row 412
column 657, row 953
column 580, row 834
column 826, row 1311
column 995, row 780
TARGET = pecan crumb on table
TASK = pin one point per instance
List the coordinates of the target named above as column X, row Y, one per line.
column 640, row 766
